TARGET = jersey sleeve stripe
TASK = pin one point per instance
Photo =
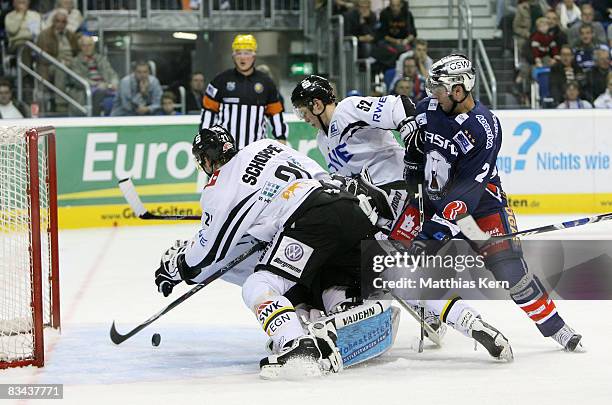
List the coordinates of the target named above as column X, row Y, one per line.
column 353, row 126
column 228, row 241
column 210, row 104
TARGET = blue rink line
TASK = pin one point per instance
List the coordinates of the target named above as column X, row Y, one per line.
column 84, row 354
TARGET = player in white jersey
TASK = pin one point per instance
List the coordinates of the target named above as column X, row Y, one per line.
column 356, row 134
column 272, row 193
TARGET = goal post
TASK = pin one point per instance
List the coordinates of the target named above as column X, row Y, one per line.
column 29, row 265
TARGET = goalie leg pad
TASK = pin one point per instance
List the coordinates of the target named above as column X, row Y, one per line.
column 366, row 331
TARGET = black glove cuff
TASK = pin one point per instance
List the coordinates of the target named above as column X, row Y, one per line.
column 187, row 273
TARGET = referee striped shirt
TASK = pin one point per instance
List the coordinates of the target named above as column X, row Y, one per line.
column 244, row 105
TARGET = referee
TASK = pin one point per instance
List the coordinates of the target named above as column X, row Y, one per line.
column 240, row 99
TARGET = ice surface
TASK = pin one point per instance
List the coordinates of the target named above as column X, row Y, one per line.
column 211, row 344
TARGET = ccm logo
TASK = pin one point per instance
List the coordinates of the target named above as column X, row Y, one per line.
column 453, row 209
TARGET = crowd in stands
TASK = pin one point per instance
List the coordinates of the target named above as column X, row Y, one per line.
column 389, row 40
column 565, row 47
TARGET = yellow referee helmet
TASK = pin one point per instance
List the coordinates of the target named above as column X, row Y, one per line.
column 244, row 42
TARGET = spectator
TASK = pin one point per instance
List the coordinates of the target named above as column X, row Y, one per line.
column 22, row 25
column 569, row 14
column 168, row 100
column 554, row 29
column 564, row 72
column 584, row 50
column 139, row 93
column 522, row 24
column 544, row 49
column 587, row 15
column 423, row 60
column 195, row 95
column 404, row 87
column 75, row 18
column 605, row 99
column 9, row 108
column 361, row 22
column 410, row 72
column 99, row 73
column 597, row 77
column 396, row 33
column 572, row 101
column 61, row 44
column 341, row 6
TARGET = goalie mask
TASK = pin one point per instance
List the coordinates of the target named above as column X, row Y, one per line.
column 451, row 70
column 214, row 144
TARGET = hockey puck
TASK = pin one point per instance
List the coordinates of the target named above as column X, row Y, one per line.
column 156, row 339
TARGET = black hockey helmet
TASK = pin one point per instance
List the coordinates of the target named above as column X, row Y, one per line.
column 310, row 88
column 214, row 143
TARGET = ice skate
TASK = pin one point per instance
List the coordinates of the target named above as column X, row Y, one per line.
column 297, row 360
column 496, row 344
column 568, row 338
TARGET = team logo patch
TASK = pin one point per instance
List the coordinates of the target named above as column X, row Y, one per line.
column 269, row 191
column 333, row 129
column 291, row 256
column 201, row 237
column 433, row 104
column 463, row 141
column 290, row 191
column 294, row 252
column 453, row 209
column 259, row 88
column 460, row 119
column 421, row 119
column 211, row 90
column 230, row 86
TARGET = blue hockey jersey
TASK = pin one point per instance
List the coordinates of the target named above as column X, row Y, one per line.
column 460, row 153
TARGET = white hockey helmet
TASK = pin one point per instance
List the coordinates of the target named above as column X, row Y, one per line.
column 449, row 71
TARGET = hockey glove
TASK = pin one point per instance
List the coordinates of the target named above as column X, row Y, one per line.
column 414, row 169
column 167, row 276
column 408, row 129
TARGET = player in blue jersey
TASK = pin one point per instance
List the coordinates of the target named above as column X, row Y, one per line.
column 453, row 154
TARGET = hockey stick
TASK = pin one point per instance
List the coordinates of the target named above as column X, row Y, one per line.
column 472, row 231
column 131, row 196
column 118, row 338
column 431, row 333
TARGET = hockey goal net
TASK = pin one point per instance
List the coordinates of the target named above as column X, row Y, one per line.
column 29, row 277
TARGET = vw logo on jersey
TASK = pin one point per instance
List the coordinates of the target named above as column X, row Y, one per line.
column 294, row 252
column 230, row 86
column 259, row 88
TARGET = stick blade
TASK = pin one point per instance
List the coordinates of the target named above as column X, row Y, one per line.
column 115, row 336
column 131, row 196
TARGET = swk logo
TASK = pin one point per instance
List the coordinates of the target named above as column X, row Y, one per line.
column 266, row 309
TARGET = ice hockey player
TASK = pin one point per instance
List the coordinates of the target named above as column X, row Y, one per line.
column 453, row 154
column 356, row 134
column 273, row 193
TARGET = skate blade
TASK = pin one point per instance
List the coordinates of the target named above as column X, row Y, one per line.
column 295, row 369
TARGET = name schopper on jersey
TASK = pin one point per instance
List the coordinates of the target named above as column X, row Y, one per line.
column 250, row 197
column 359, row 136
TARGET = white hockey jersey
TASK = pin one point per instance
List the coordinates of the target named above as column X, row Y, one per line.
column 359, row 136
column 253, row 194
